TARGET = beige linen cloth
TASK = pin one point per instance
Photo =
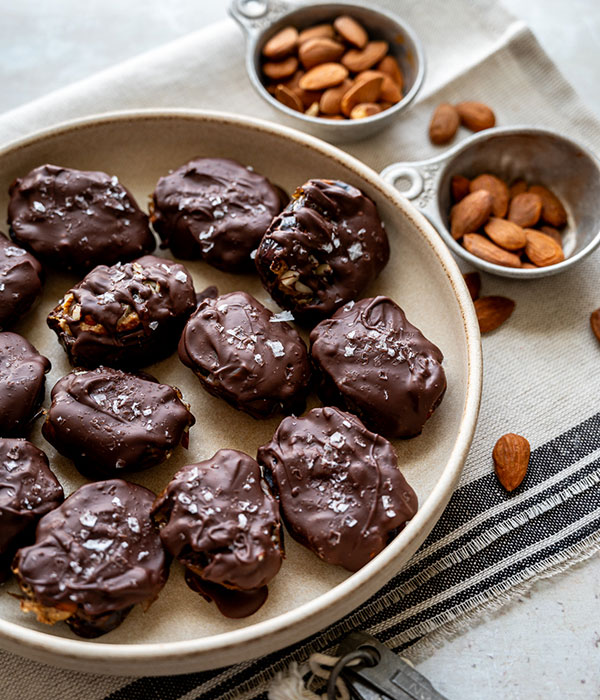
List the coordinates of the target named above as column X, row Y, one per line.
column 474, row 51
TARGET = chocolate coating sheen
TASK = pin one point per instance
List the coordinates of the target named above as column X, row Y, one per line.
column 372, row 362
column 110, row 422
column 126, row 315
column 325, row 247
column 22, row 384
column 94, row 557
column 219, row 519
column 247, row 355
column 340, row 491
column 20, row 282
column 28, row 490
column 214, row 209
column 77, row 219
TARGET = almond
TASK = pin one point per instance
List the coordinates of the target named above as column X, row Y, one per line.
column 511, row 458
column 518, row 187
column 319, row 50
column 595, row 322
column 486, row 250
column 313, row 110
column 350, row 30
column 553, row 233
column 357, row 60
column 525, row 209
column 331, row 100
column 492, row 312
column 529, row 266
column 281, row 44
column 366, row 91
column 281, row 69
column 506, row 234
column 496, row 188
column 470, row 213
column 319, row 30
column 389, row 66
column 553, row 212
column 390, row 92
column 476, row 115
column 460, row 187
column 323, row 76
column 444, row 124
column 288, row 98
column 364, row 109
column 307, row 97
column 473, row 282
column 541, row 249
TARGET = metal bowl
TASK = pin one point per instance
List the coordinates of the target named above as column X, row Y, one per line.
column 261, row 19
column 539, row 156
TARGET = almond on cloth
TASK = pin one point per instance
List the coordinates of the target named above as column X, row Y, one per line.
column 496, row 188
column 595, row 322
column 444, row 124
column 506, row 234
column 542, row 249
column 470, row 213
column 473, row 282
column 460, row 187
column 492, row 311
column 350, row 30
column 525, row 209
column 553, row 212
column 486, row 250
column 511, row 458
column 323, row 76
column 281, row 44
column 476, row 115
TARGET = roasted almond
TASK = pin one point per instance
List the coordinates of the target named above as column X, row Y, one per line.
column 319, row 30
column 331, row 100
column 281, row 69
column 595, row 322
column 281, row 44
column 541, row 249
column 460, row 187
column 553, row 233
column 511, row 458
column 366, row 91
column 307, row 97
column 476, row 115
column 288, row 98
column 471, row 213
column 525, row 209
column 319, row 50
column 518, row 187
column 323, row 76
column 444, row 124
column 357, row 60
column 390, row 92
column 505, row 233
column 350, row 30
column 492, row 312
column 473, row 282
column 389, row 66
column 486, row 250
column 496, row 188
column 313, row 110
column 364, row 109
column 553, row 212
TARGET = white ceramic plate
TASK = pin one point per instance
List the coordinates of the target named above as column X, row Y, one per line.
column 181, row 632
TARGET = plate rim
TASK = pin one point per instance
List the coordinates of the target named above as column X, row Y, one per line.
column 113, row 658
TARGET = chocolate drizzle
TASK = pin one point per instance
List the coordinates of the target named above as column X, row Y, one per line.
column 20, row 282
column 325, row 247
column 110, row 422
column 75, row 219
column 214, row 209
column 247, row 355
column 372, row 362
column 340, row 492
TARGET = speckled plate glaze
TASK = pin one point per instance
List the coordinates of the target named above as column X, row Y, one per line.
column 180, row 632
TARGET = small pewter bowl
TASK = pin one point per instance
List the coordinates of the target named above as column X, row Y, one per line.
column 261, row 19
column 540, row 156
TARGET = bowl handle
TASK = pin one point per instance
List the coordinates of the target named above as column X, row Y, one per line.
column 254, row 16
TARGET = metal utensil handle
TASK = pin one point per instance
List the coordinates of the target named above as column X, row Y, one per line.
column 406, row 171
column 254, row 16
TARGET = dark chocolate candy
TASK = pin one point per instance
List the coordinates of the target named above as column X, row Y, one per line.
column 110, row 422
column 94, row 558
column 325, row 247
column 20, row 282
column 219, row 520
column 126, row 315
column 234, row 604
column 75, row 219
column 340, row 491
column 244, row 353
column 28, row 490
column 22, row 383
column 372, row 362
column 214, row 209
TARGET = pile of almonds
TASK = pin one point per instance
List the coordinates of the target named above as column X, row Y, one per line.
column 332, row 71
column 516, row 226
column 446, row 119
